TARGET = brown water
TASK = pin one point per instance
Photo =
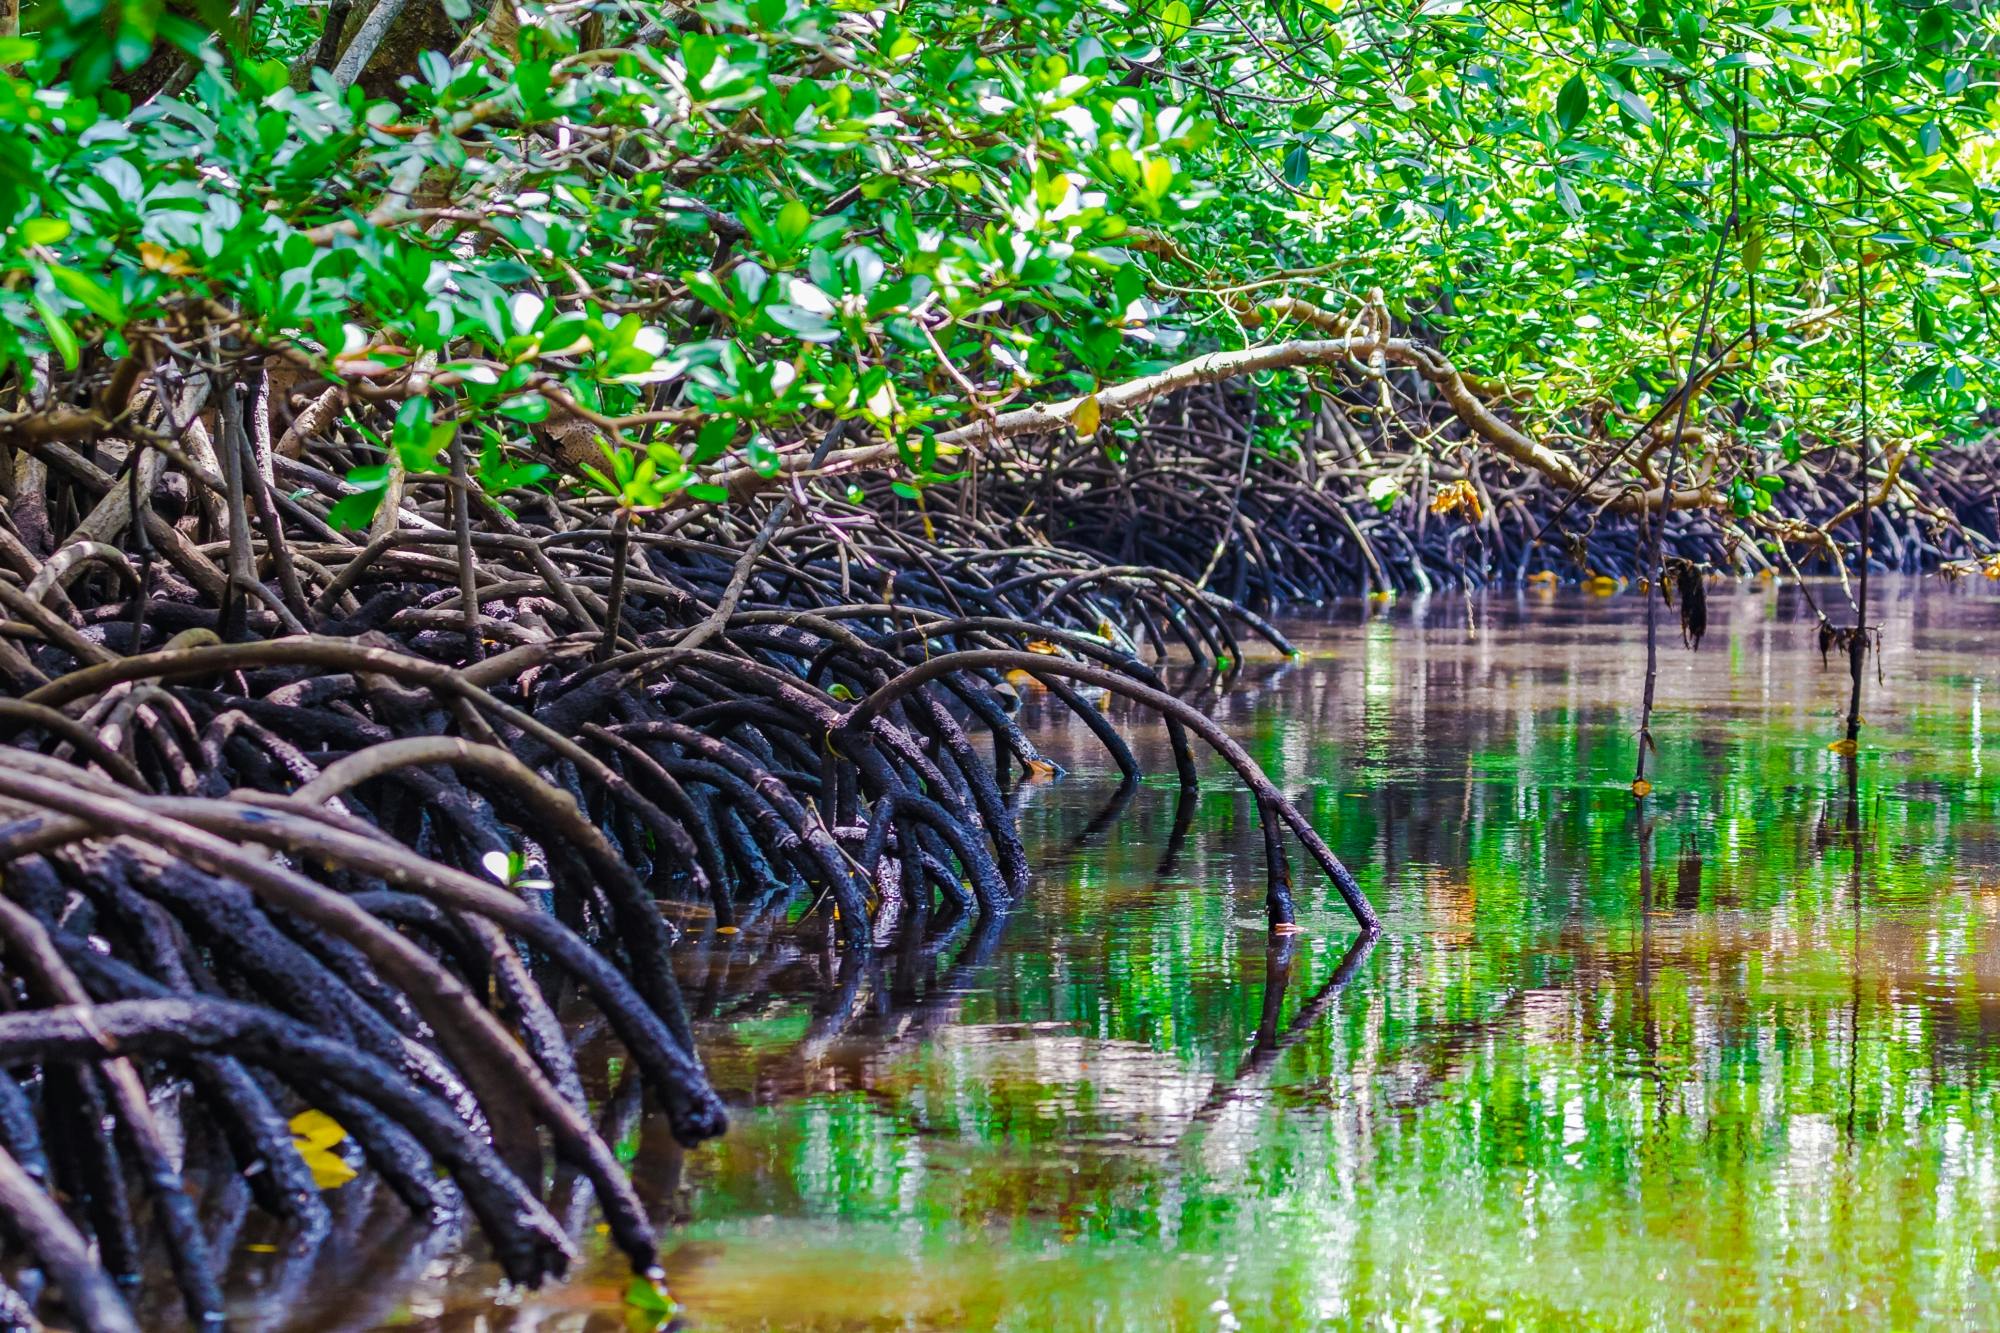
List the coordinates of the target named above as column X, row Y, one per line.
column 1737, row 1068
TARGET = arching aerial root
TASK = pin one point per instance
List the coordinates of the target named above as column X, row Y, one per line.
column 375, row 871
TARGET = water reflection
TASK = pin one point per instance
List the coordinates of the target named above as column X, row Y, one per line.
column 1727, row 1062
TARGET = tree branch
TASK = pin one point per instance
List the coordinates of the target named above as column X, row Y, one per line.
column 1122, row 400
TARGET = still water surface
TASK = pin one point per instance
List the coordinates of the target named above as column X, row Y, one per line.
column 1738, row 1066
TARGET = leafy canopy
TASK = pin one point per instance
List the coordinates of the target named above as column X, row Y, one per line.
column 696, row 232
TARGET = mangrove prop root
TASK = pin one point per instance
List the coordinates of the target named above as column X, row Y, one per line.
column 304, row 822
column 1295, row 523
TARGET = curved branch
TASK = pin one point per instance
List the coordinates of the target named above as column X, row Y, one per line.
column 1121, row 400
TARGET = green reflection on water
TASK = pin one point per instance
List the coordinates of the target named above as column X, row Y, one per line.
column 1734, row 1071
column 1768, row 1099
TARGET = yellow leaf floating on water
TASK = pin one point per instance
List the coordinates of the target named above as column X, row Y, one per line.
column 1545, row 577
column 315, row 1134
column 1601, row 585
column 1041, row 768
column 1088, row 414
column 1641, row 787
column 1842, row 747
column 1044, row 647
column 1020, row 678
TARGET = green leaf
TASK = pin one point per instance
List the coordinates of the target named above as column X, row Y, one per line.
column 1566, row 196
column 61, row 336
column 1631, row 103
column 1298, row 166
column 532, row 79
column 1176, row 19
column 567, row 334
column 43, row 230
column 1572, row 103
column 266, row 76
column 1934, row 24
column 793, row 221
column 87, row 292
column 352, row 512
column 649, row 1297
column 713, row 439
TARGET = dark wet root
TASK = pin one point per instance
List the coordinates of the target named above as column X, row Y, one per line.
column 1271, row 523
column 342, row 842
